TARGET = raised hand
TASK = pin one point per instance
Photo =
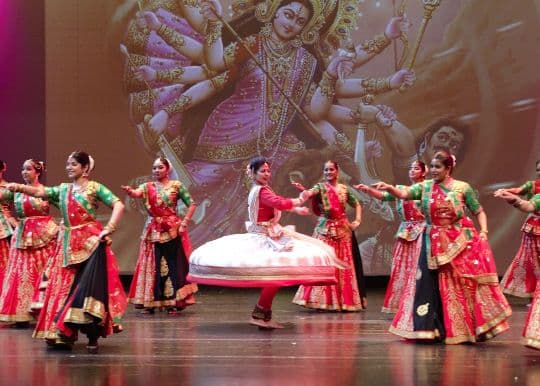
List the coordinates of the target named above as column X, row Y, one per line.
column 148, row 20
column 362, row 187
column 381, row 186
column 397, row 26
column 158, row 123
column 340, row 66
column 146, row 73
column 211, row 9
column 402, row 78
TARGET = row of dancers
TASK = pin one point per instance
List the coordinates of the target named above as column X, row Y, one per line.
column 443, row 286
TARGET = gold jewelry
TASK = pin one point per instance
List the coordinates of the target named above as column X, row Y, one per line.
column 376, row 45
column 376, row 85
column 173, row 75
column 213, row 31
column 517, row 203
column 328, row 85
column 172, row 37
column 484, row 231
column 179, row 105
column 208, row 72
column 343, row 143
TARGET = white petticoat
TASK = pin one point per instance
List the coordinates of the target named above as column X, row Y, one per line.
column 257, row 260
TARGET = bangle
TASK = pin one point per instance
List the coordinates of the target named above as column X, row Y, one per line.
column 484, row 231
column 517, row 203
column 110, row 227
column 328, row 85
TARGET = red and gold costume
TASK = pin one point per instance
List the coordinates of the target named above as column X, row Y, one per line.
column 84, row 290
column 531, row 332
column 406, row 251
column 457, row 295
column 333, row 229
column 520, row 277
column 162, row 266
column 33, row 244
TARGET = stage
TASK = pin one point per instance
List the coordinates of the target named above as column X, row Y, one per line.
column 212, row 344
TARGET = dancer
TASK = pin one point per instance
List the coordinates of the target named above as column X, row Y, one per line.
column 457, row 295
column 408, row 239
column 84, row 291
column 162, row 266
column 268, row 256
column 520, row 277
column 531, row 331
column 7, row 224
column 34, row 243
column 330, row 200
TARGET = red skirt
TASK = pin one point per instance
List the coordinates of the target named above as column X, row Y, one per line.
column 21, row 282
column 404, row 263
column 343, row 296
column 144, row 292
column 520, row 278
column 4, row 256
column 70, row 302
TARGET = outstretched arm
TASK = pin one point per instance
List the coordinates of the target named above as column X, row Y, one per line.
column 527, row 206
column 35, row 191
column 133, row 193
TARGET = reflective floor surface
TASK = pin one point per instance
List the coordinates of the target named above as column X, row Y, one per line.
column 212, row 344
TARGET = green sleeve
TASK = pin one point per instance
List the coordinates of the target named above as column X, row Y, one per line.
column 184, row 195
column 105, row 195
column 527, row 189
column 415, row 191
column 471, row 199
column 351, row 198
column 536, row 202
column 52, row 194
column 6, row 195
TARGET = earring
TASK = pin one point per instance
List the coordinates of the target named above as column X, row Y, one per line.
column 266, row 29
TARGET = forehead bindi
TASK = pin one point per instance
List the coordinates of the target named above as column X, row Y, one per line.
column 299, row 10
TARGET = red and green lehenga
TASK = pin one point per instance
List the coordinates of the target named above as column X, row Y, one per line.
column 531, row 332
column 33, row 244
column 406, row 251
column 84, row 291
column 457, row 296
column 160, row 275
column 349, row 293
column 520, row 277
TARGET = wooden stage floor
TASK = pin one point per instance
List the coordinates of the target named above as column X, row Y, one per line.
column 211, row 344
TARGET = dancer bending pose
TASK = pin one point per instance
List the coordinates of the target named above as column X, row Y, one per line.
column 268, row 256
column 33, row 244
column 162, row 266
column 408, row 240
column 84, row 291
column 330, row 200
column 457, row 295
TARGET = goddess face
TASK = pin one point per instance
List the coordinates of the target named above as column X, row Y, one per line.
column 446, row 138
column 28, row 172
column 290, row 19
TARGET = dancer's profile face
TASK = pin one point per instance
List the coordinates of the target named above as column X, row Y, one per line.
column 417, row 172
column 262, row 176
column 438, row 171
column 160, row 171
column 290, row 19
column 28, row 172
column 73, row 168
column 330, row 172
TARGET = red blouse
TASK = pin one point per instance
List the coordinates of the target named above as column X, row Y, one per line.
column 268, row 201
